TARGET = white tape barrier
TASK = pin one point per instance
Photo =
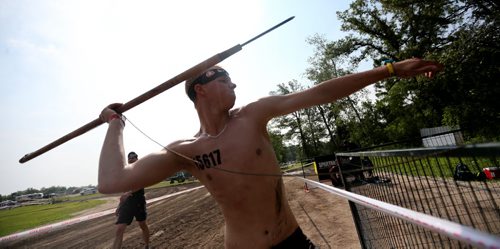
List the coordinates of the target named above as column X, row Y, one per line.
column 451, row 229
column 174, row 194
column 59, row 225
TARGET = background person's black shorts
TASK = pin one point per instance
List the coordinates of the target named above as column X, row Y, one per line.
column 127, row 214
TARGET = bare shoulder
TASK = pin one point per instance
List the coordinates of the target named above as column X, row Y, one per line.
column 181, row 146
column 237, row 111
column 181, row 150
column 262, row 109
column 181, row 142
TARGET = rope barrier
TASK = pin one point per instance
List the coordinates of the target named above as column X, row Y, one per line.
column 448, row 228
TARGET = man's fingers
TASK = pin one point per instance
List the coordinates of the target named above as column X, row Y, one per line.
column 114, row 106
column 432, row 66
column 108, row 110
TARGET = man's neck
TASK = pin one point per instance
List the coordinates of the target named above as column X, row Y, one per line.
column 214, row 126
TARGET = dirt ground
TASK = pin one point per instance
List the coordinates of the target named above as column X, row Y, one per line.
column 193, row 220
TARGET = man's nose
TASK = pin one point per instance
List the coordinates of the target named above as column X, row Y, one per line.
column 233, row 86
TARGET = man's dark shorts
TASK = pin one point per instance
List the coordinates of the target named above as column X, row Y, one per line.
column 297, row 240
column 127, row 214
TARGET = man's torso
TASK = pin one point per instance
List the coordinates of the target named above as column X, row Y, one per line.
column 251, row 195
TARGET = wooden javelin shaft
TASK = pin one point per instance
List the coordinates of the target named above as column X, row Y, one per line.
column 190, row 73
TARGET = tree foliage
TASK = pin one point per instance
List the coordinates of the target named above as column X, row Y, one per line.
column 464, row 35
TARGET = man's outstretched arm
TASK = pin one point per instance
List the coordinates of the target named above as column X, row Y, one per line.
column 337, row 88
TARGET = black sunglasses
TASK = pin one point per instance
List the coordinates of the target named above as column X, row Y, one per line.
column 206, row 77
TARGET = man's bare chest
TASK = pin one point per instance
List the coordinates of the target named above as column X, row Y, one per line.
column 240, row 147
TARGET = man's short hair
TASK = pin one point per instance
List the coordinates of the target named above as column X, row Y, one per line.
column 132, row 155
column 204, row 78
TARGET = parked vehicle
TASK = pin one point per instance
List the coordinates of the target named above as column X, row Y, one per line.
column 29, row 197
column 180, row 176
column 8, row 204
column 88, row 191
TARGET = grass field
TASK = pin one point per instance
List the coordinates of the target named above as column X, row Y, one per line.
column 23, row 218
column 27, row 217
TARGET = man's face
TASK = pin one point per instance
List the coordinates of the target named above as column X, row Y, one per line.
column 132, row 158
column 222, row 88
column 213, row 76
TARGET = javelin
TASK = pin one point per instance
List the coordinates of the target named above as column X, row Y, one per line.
column 190, row 73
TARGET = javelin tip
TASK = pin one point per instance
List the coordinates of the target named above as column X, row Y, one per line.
column 269, row 30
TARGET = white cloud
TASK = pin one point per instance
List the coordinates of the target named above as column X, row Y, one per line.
column 29, row 47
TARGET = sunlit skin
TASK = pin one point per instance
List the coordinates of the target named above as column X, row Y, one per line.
column 255, row 208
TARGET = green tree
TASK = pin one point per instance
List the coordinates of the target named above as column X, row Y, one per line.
column 463, row 35
column 278, row 145
column 329, row 61
column 292, row 124
column 473, row 73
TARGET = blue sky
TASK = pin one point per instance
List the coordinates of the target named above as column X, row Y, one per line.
column 61, row 62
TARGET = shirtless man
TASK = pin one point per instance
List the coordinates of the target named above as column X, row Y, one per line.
column 232, row 154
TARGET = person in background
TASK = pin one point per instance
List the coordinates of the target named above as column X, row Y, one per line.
column 132, row 204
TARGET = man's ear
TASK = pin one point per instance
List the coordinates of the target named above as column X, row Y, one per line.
column 199, row 90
